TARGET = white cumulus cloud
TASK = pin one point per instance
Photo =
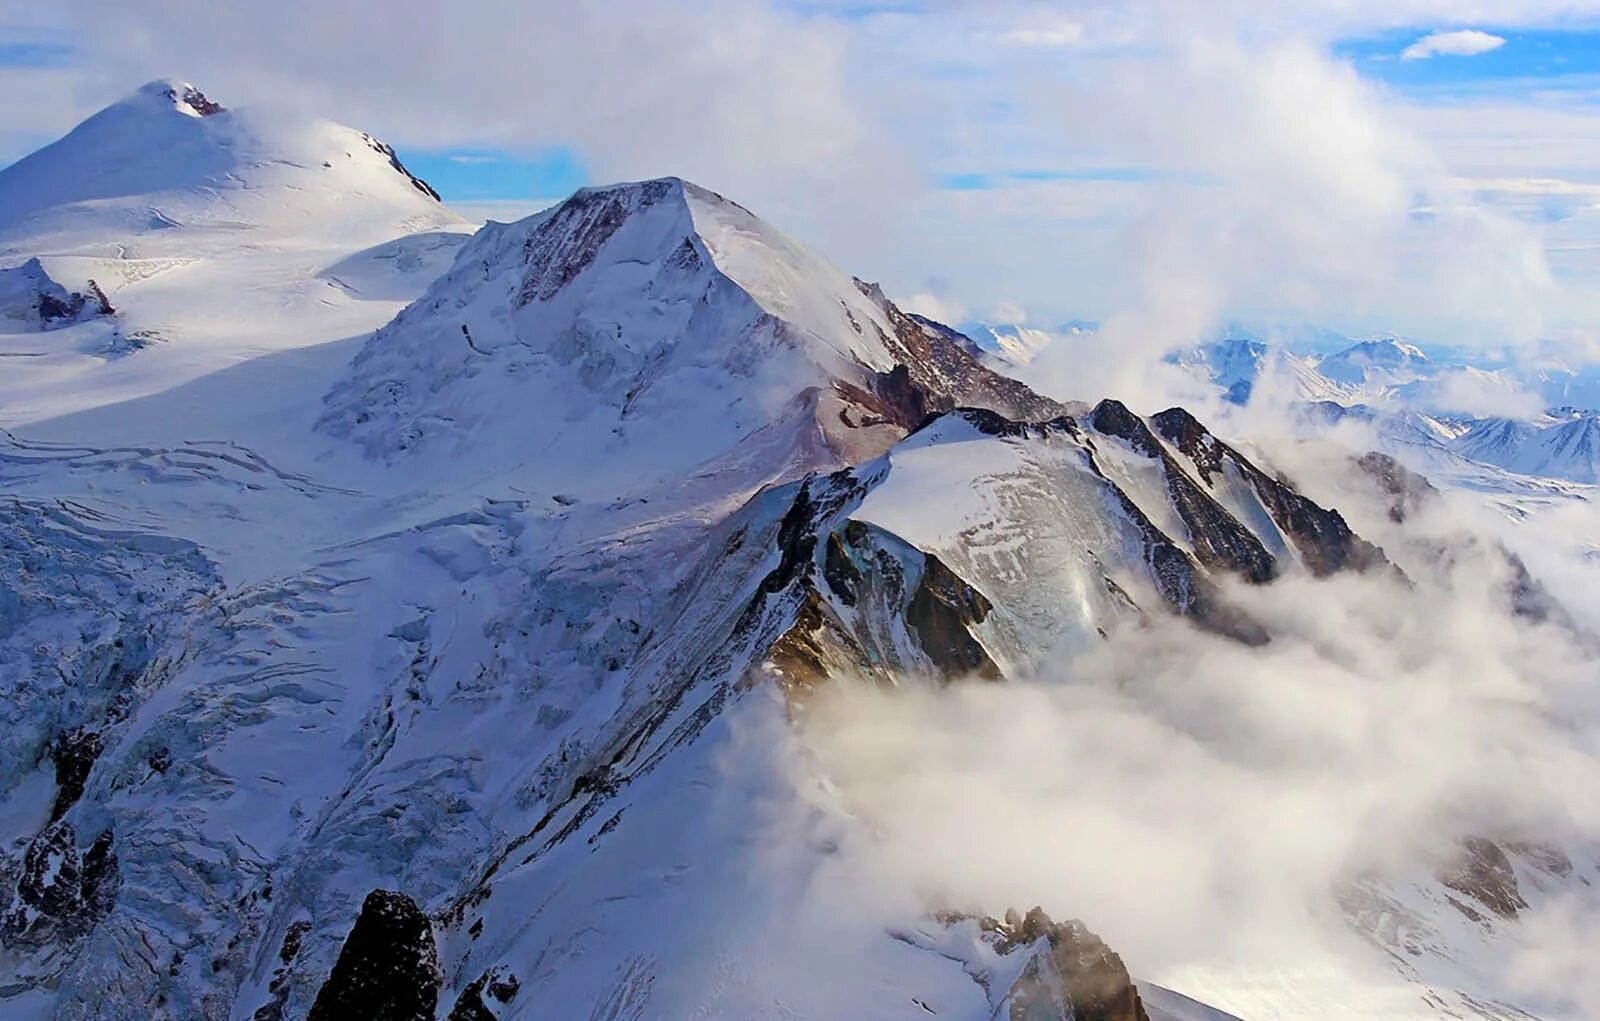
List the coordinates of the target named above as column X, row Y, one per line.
column 1467, row 42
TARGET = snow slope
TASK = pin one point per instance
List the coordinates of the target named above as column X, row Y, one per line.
column 590, row 327
column 211, row 232
column 1556, row 447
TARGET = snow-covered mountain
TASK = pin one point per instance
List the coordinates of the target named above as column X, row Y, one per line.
column 421, row 625
column 1240, row 365
column 1563, row 447
column 1385, row 361
column 628, row 307
column 1446, row 410
column 167, row 157
column 214, row 235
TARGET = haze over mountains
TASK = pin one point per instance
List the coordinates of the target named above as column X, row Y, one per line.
column 626, row 613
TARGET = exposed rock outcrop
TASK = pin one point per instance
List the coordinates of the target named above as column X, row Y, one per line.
column 74, row 754
column 60, row 891
column 30, row 294
column 1219, row 540
column 388, row 968
column 1405, row 489
column 1483, row 872
column 1071, row 975
column 486, row 996
column 386, row 150
column 1326, row 544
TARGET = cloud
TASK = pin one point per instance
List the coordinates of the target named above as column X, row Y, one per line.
column 938, row 309
column 1048, row 34
column 1208, row 807
column 1468, row 391
column 750, row 99
column 1010, row 313
column 1468, row 42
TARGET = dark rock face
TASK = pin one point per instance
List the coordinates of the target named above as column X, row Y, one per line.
column 991, row 423
column 872, row 585
column 1484, row 873
column 567, row 242
column 1406, row 490
column 894, row 398
column 1185, row 432
column 60, row 309
column 482, row 1000
column 797, row 541
column 61, row 892
column 801, row 656
column 1530, row 600
column 55, row 309
column 1219, row 540
column 943, row 365
column 196, row 100
column 1181, row 582
column 840, row 572
column 388, row 969
column 53, row 305
column 202, row 106
column 942, row 609
column 1325, row 542
column 273, row 1009
column 74, row 754
column 1072, row 976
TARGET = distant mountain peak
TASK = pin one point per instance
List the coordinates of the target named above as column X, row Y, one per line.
column 167, row 155
column 1382, row 350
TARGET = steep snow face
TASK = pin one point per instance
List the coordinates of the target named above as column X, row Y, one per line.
column 1562, row 448
column 215, row 235
column 638, row 331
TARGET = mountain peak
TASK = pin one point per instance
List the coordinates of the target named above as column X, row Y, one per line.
column 658, row 322
column 1384, row 350
column 174, row 94
column 167, row 155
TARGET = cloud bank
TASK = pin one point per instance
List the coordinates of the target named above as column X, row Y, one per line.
column 1233, row 820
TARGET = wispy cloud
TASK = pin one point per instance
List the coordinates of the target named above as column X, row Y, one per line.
column 1052, row 33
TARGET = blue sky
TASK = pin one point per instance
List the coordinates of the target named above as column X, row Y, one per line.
column 487, row 175
column 1528, row 60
